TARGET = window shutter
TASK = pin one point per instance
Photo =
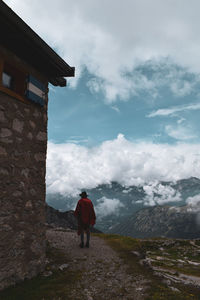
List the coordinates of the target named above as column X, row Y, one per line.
column 35, row 90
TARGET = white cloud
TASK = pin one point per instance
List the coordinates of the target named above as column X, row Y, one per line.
column 174, row 110
column 194, row 203
column 157, row 193
column 180, row 121
column 127, row 190
column 115, row 108
column 94, row 85
column 113, row 38
column 106, row 206
column 73, row 167
column 180, row 132
column 182, row 87
column 77, row 140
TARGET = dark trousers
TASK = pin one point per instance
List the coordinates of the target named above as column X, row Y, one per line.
column 84, row 228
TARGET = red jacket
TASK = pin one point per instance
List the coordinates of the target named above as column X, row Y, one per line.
column 85, row 211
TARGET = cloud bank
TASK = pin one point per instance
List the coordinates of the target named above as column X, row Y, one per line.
column 106, row 206
column 112, row 38
column 194, row 203
column 158, row 194
column 71, row 167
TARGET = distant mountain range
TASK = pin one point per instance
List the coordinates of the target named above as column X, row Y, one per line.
column 115, row 204
column 160, row 221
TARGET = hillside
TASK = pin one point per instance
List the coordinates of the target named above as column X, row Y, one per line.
column 63, row 219
column 114, row 267
column 160, row 221
column 113, row 202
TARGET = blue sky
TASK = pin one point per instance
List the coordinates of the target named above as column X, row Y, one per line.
column 83, row 116
column 131, row 114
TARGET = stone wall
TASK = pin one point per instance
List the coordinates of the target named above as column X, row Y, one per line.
column 23, row 142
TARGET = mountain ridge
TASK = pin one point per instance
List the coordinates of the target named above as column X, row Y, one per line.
column 161, row 221
column 114, row 202
column 65, row 220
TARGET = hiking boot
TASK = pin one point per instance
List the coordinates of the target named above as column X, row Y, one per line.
column 87, row 245
column 81, row 245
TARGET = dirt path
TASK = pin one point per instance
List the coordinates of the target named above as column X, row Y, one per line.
column 104, row 274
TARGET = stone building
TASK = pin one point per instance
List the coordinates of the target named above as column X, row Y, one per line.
column 27, row 65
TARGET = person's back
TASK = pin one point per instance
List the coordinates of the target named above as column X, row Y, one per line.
column 86, row 211
column 86, row 217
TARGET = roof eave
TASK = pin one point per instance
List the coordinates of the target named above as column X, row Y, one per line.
column 46, row 60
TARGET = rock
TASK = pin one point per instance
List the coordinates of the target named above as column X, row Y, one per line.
column 62, row 267
column 5, row 132
column 64, row 220
column 146, row 262
column 47, row 273
column 40, row 156
column 41, row 136
column 25, row 172
column 6, row 141
column 30, row 136
column 139, row 289
column 17, row 194
column 19, row 140
column 32, row 124
column 18, row 125
column 28, row 204
column 27, row 111
column 3, row 171
column 136, row 253
column 3, row 151
column 37, row 114
column 167, row 282
column 2, row 116
column 33, row 192
column 174, row 289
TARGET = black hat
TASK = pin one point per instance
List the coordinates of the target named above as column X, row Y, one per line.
column 83, row 194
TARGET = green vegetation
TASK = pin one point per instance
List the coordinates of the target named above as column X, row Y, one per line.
column 173, row 249
column 198, row 243
column 168, row 254
column 56, row 286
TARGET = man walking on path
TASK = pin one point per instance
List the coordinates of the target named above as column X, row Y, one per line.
column 86, row 216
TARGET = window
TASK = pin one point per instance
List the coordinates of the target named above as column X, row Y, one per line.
column 7, row 80
column 14, row 79
column 21, row 85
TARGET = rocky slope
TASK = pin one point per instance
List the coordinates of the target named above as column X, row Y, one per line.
column 160, row 221
column 63, row 219
column 113, row 202
column 114, row 267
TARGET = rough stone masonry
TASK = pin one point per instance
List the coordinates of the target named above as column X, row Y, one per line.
column 23, row 142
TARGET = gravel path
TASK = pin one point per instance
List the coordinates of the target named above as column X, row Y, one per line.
column 105, row 276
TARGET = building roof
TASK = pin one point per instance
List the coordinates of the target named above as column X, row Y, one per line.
column 19, row 38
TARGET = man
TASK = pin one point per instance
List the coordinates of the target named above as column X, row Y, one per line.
column 86, row 216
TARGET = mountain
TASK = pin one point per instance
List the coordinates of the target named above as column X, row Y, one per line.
column 113, row 202
column 63, row 219
column 127, row 196
column 160, row 221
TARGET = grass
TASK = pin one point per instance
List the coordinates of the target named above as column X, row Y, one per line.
column 60, row 284
column 180, row 250
column 197, row 242
column 56, row 286
column 157, row 290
